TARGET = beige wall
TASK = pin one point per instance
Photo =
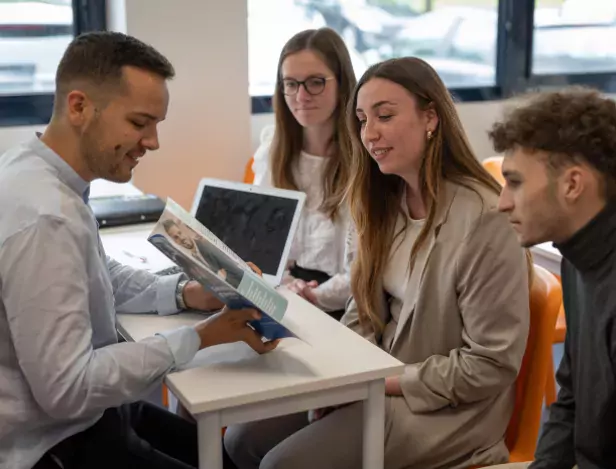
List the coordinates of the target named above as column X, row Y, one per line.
column 207, row 131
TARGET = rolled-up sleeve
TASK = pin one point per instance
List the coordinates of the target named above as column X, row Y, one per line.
column 45, row 292
column 493, row 298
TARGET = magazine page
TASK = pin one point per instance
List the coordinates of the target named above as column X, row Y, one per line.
column 226, row 279
column 174, row 209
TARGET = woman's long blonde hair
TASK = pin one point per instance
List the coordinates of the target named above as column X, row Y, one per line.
column 287, row 142
column 375, row 197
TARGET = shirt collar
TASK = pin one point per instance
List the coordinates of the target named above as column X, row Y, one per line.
column 66, row 174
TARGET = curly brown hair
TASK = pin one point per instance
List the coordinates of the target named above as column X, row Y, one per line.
column 571, row 124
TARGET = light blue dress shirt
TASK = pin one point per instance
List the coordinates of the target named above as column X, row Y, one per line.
column 61, row 364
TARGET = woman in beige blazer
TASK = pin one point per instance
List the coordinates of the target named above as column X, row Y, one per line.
column 439, row 282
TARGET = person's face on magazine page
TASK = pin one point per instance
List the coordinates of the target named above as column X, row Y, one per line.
column 179, row 237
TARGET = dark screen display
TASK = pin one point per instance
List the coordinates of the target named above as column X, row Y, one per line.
column 254, row 226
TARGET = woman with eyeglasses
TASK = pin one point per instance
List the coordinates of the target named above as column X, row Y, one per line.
column 306, row 152
column 439, row 282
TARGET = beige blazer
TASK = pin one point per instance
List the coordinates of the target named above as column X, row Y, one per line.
column 462, row 331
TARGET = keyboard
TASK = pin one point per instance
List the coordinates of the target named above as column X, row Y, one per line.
column 174, row 269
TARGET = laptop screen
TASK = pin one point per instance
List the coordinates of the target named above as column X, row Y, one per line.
column 255, row 226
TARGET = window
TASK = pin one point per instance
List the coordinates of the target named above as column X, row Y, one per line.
column 574, row 36
column 458, row 37
column 33, row 37
column 482, row 49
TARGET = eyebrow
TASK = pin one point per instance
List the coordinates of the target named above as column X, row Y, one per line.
column 313, row 75
column 378, row 105
column 146, row 115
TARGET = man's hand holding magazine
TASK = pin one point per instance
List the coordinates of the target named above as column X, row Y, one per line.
column 231, row 325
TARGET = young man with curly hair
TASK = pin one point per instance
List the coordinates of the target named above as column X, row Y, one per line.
column 560, row 172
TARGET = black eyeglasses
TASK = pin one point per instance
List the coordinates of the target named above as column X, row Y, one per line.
column 312, row 85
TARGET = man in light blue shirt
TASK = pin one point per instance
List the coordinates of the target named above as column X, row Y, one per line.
column 69, row 393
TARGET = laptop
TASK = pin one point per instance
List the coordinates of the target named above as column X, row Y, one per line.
column 257, row 223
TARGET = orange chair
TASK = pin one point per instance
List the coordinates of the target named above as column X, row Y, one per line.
column 559, row 337
column 523, row 429
column 493, row 166
column 249, row 175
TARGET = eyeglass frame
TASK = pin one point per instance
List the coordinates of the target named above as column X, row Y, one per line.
column 303, row 83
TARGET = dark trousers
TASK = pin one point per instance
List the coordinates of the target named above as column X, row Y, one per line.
column 308, row 275
column 134, row 436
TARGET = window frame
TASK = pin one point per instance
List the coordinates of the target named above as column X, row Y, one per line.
column 513, row 63
column 36, row 109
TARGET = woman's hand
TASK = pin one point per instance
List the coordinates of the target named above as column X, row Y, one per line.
column 304, row 289
column 255, row 269
column 392, row 386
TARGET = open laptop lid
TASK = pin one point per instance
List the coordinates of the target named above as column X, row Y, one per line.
column 257, row 223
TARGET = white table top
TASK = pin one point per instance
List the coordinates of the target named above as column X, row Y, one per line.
column 129, row 245
column 328, row 355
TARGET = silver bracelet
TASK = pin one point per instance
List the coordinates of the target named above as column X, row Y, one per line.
column 179, row 295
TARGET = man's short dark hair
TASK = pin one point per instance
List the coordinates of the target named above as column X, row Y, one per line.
column 98, row 58
column 569, row 125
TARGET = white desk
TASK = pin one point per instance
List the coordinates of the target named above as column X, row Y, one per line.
column 129, row 245
column 231, row 384
column 547, row 256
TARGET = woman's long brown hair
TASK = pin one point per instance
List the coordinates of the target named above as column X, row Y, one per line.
column 375, row 197
column 287, row 142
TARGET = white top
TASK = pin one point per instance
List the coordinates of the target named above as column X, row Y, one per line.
column 232, row 375
column 320, row 243
column 397, row 271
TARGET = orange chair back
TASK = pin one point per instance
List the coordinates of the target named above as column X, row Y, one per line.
column 249, row 175
column 523, row 430
column 493, row 165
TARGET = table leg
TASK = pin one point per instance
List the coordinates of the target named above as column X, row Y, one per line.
column 210, row 442
column 374, row 426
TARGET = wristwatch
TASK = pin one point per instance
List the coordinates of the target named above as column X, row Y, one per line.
column 179, row 294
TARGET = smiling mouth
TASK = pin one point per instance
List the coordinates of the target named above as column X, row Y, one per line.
column 380, row 153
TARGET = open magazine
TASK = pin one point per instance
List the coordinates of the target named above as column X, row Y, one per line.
column 205, row 258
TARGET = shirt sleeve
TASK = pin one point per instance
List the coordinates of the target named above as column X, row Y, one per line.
column 334, row 294
column 46, row 294
column 261, row 163
column 493, row 299
column 138, row 291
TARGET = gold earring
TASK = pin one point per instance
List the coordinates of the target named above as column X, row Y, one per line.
column 429, row 135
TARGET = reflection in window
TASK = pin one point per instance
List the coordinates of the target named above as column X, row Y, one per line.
column 33, row 37
column 574, row 36
column 458, row 37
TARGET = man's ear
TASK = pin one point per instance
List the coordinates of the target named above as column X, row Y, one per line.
column 79, row 108
column 574, row 180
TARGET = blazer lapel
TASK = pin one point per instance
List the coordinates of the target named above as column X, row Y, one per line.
column 412, row 290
